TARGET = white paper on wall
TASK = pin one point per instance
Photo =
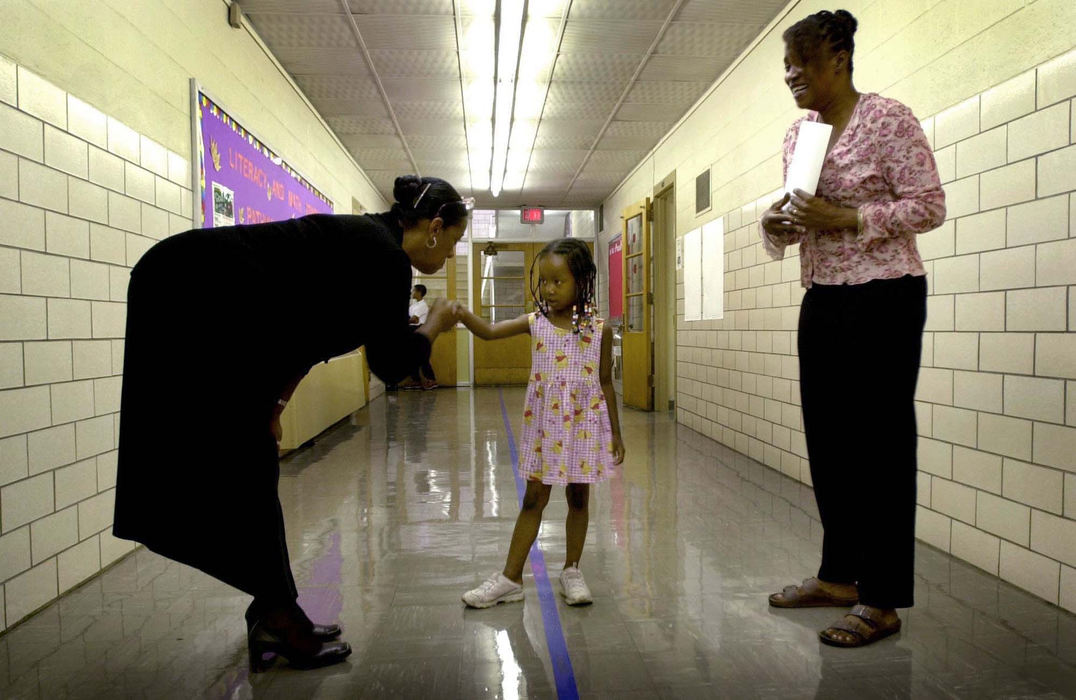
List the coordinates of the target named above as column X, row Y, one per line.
column 807, row 158
column 693, row 275
column 713, row 269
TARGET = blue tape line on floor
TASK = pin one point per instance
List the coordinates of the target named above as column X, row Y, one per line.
column 563, row 674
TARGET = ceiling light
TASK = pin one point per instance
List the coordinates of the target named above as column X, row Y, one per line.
column 509, row 35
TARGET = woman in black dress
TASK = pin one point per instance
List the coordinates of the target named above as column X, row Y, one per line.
column 221, row 326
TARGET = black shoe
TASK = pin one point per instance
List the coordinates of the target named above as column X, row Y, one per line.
column 324, row 633
column 313, row 653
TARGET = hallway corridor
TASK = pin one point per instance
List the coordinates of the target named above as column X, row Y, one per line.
column 392, row 515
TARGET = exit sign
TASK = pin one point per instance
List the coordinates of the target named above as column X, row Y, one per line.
column 532, row 215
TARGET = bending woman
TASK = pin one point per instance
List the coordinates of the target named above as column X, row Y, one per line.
column 221, row 326
column 860, row 327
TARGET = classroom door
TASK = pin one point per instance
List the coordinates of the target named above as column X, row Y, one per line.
column 637, row 343
column 501, row 293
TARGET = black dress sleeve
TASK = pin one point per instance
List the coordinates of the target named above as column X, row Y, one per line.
column 393, row 349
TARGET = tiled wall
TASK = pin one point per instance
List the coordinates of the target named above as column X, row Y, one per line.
column 996, row 402
column 82, row 196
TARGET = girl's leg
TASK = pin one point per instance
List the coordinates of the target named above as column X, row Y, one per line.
column 575, row 526
column 526, row 530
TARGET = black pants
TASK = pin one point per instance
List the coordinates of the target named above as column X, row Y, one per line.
column 425, row 371
column 859, row 348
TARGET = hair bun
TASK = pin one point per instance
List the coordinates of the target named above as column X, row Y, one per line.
column 846, row 17
column 406, row 188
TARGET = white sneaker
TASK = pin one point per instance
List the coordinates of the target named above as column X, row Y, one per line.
column 495, row 589
column 574, row 588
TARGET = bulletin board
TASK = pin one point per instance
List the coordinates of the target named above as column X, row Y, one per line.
column 238, row 178
column 616, row 278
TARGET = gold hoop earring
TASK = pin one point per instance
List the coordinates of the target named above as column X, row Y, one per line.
column 431, row 242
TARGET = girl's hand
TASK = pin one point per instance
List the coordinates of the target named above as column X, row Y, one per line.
column 274, row 426
column 443, row 316
column 779, row 224
column 618, row 450
column 807, row 211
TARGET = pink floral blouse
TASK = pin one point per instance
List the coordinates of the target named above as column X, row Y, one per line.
column 883, row 165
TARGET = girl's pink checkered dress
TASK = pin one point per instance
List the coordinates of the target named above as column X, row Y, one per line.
column 566, row 438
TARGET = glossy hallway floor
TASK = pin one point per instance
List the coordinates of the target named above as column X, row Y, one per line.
column 392, row 515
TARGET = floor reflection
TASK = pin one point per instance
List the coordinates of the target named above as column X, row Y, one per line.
column 397, row 511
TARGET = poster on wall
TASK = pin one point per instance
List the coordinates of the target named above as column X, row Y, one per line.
column 693, row 275
column 713, row 269
column 240, row 180
column 616, row 278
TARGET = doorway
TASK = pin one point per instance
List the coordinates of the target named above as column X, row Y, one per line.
column 663, row 244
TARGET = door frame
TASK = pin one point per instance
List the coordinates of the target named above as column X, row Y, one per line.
column 663, row 284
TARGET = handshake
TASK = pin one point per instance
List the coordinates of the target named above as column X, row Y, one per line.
column 445, row 314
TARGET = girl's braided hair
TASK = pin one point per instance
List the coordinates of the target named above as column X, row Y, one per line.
column 581, row 264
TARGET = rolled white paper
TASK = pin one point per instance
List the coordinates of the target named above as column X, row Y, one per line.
column 807, row 158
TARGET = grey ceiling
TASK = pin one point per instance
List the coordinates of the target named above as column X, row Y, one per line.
column 610, row 100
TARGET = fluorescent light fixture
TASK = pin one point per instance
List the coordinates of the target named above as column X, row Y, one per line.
column 479, row 40
column 509, row 35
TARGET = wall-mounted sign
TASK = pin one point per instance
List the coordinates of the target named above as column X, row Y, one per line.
column 240, row 180
column 532, row 215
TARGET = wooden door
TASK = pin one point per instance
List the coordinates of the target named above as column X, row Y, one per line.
column 501, row 293
column 638, row 348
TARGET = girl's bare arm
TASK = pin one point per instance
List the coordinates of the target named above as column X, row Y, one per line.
column 494, row 331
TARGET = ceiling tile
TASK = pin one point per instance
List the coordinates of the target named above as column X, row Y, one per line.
column 422, row 89
column 400, row 7
column 352, row 108
column 608, row 36
column 621, row 9
column 355, row 87
column 407, row 32
column 600, row 68
column 679, row 93
column 561, row 91
column 578, row 110
column 638, row 112
column 714, row 39
column 682, row 68
column 758, row 11
column 358, row 142
column 290, row 31
column 293, row 7
column 304, row 61
column 359, row 125
column 411, row 64
column 450, row 111
column 615, row 161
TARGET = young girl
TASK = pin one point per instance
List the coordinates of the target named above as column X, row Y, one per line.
column 571, row 432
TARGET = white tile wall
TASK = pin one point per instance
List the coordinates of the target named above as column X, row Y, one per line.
column 1030, row 571
column 81, row 197
column 1037, row 221
column 1042, row 309
column 51, row 448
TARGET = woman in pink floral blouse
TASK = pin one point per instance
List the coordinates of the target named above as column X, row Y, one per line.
column 860, row 327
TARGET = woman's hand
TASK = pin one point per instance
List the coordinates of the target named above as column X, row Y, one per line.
column 274, row 425
column 779, row 223
column 443, row 316
column 618, row 450
column 806, row 211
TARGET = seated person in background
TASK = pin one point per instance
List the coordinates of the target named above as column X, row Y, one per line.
column 423, row 377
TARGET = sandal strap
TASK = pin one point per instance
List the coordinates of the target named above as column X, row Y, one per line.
column 869, row 615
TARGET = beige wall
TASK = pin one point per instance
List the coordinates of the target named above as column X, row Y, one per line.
column 992, row 82
column 94, row 168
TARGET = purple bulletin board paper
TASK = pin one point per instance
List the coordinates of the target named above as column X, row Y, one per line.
column 242, row 181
